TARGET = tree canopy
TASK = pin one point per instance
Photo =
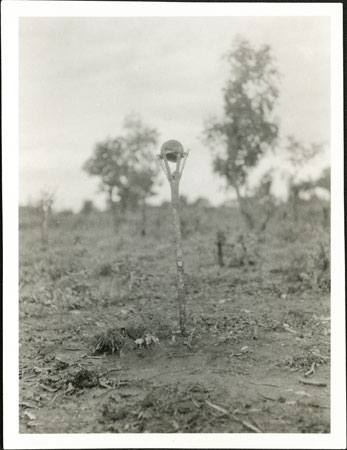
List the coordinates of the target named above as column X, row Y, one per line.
column 248, row 128
column 125, row 164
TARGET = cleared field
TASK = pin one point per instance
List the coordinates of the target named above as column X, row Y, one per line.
column 257, row 358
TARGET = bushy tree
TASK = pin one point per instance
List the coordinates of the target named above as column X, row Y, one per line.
column 263, row 202
column 125, row 165
column 248, row 128
column 299, row 155
column 142, row 182
column 110, row 164
column 324, row 181
column 141, row 141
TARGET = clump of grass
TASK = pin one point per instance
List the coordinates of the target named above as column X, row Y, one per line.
column 154, row 324
column 303, row 360
column 311, row 268
column 108, row 342
column 134, row 330
column 105, row 270
column 85, row 379
column 319, row 265
column 241, row 250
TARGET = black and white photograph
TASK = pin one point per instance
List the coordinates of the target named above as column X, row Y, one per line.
column 173, row 225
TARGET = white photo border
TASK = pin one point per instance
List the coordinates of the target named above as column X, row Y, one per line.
column 11, row 12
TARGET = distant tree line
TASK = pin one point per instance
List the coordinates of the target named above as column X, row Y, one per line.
column 247, row 131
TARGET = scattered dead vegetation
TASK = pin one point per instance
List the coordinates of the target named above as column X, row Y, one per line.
column 110, row 358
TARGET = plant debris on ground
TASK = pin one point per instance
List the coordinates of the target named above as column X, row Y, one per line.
column 100, row 348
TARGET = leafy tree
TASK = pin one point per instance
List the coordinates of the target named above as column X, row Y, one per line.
column 324, row 181
column 263, row 202
column 299, row 155
column 125, row 165
column 142, row 182
column 248, row 128
column 110, row 164
column 141, row 141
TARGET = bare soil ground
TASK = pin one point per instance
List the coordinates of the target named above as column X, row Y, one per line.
column 256, row 358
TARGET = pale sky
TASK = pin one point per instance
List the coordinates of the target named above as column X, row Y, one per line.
column 79, row 78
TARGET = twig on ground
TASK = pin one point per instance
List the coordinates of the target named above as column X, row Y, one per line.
column 158, row 356
column 180, row 355
column 195, row 403
column 216, row 407
column 313, row 382
column 170, row 371
column 246, row 424
column 311, row 370
column 267, row 398
column 264, row 384
column 220, row 370
column 258, row 426
column 48, row 388
column 243, row 422
column 27, row 405
column 28, row 377
column 72, row 349
column 41, row 369
column 316, row 405
column 290, row 330
column 111, row 370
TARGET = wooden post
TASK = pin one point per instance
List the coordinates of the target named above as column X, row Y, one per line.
column 181, row 294
column 144, row 217
column 220, row 243
column 45, row 205
column 173, row 151
column 44, row 226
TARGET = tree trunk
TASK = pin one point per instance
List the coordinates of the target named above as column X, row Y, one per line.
column 326, row 218
column 243, row 208
column 44, row 226
column 295, row 204
column 123, row 205
column 144, row 217
column 179, row 255
column 124, row 200
column 267, row 218
column 220, row 243
column 112, row 208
